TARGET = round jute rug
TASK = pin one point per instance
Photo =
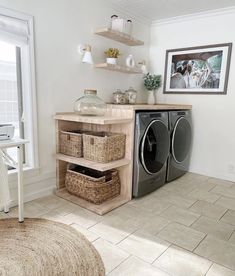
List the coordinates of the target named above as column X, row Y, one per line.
column 39, row 247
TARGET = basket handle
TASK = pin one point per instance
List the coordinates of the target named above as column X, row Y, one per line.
column 108, row 177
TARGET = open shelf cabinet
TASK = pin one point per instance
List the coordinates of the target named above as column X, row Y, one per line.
column 91, row 164
column 119, row 36
column 100, row 209
column 124, row 166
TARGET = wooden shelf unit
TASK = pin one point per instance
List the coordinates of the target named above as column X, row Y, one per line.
column 118, row 68
column 91, row 164
column 71, row 121
column 119, row 37
column 100, row 209
column 99, row 120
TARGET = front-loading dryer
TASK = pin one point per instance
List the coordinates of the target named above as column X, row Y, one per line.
column 180, row 127
column 152, row 144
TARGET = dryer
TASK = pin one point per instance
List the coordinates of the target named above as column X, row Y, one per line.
column 152, row 144
column 180, row 127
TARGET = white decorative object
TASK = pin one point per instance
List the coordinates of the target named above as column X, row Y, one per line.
column 143, row 67
column 111, row 61
column 118, row 24
column 128, row 27
column 151, row 97
column 85, row 50
column 130, row 62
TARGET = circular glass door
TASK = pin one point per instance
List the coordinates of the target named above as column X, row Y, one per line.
column 155, row 147
column 181, row 139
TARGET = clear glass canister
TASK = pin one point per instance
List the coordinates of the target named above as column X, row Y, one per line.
column 90, row 104
column 119, row 97
column 131, row 95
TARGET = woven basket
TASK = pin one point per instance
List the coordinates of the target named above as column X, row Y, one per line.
column 96, row 187
column 103, row 147
column 71, row 143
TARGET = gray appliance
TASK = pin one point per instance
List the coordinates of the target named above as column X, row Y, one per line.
column 180, row 127
column 152, row 144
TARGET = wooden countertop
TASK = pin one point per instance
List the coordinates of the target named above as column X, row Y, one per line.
column 118, row 114
column 151, row 107
column 99, row 120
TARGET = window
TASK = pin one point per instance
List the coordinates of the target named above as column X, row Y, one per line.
column 17, row 80
column 11, row 101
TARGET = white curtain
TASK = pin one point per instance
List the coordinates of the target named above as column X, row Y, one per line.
column 14, row 30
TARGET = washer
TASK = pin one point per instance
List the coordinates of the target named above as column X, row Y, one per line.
column 180, row 127
column 152, row 145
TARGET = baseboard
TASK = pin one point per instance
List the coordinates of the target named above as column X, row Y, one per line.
column 35, row 195
column 215, row 175
column 34, row 188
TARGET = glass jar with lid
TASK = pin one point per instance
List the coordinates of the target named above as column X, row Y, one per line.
column 131, row 95
column 90, row 104
column 119, row 97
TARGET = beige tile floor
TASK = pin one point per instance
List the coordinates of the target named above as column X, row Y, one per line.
column 186, row 228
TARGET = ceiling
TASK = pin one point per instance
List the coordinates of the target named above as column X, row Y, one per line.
column 152, row 10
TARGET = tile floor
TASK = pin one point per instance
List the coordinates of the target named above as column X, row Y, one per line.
column 185, row 228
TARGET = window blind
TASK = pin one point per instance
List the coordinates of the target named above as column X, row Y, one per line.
column 14, row 30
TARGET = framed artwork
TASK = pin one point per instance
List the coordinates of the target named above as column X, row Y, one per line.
column 198, row 70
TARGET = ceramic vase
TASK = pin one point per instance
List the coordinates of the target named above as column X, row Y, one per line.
column 151, row 97
column 111, row 61
column 130, row 62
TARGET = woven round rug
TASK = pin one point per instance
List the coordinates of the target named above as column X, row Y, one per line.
column 46, row 248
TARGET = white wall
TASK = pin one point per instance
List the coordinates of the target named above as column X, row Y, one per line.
column 213, row 115
column 60, row 25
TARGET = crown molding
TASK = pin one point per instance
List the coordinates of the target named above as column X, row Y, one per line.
column 193, row 16
column 138, row 18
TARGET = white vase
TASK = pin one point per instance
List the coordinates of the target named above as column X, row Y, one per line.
column 111, row 61
column 130, row 62
column 151, row 97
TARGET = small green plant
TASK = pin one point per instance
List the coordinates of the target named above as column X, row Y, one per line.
column 152, row 82
column 112, row 53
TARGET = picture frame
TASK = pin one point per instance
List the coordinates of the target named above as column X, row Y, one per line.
column 198, row 70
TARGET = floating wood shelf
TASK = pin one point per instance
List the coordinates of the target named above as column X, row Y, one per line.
column 118, row 68
column 91, row 164
column 100, row 209
column 119, row 36
column 101, row 120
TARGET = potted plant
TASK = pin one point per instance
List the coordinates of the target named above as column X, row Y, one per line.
column 112, row 55
column 151, row 83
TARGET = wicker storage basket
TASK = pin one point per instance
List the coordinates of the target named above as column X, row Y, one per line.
column 94, row 186
column 71, row 143
column 103, row 147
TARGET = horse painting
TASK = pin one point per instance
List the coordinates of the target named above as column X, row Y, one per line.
column 189, row 70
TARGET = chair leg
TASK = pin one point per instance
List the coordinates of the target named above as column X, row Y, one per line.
column 6, row 208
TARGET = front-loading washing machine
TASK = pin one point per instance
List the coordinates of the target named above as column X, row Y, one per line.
column 180, row 127
column 152, row 144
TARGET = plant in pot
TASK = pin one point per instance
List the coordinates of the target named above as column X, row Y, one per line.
column 151, row 83
column 112, row 55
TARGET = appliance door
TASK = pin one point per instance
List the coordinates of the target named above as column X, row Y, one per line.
column 181, row 140
column 154, row 147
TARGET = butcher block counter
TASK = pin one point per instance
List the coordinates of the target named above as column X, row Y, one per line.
column 118, row 119
column 151, row 107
